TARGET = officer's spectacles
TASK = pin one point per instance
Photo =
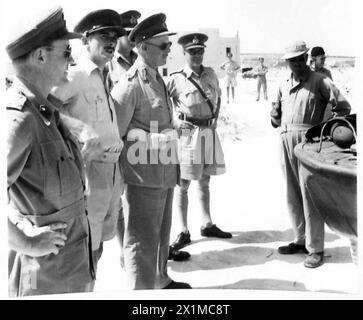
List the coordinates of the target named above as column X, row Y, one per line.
column 196, row 51
column 163, row 46
column 66, row 53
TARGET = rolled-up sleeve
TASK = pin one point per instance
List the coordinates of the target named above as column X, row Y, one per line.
column 276, row 110
column 124, row 95
column 338, row 103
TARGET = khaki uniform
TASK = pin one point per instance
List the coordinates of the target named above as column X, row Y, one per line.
column 200, row 151
column 260, row 72
column 298, row 106
column 143, row 102
column 197, row 158
column 46, row 185
column 119, row 66
column 88, row 99
column 231, row 67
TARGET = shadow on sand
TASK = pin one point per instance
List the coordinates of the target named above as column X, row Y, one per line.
column 262, row 284
column 268, row 284
column 264, row 236
column 247, row 255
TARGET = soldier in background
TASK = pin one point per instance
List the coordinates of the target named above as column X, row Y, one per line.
column 144, row 115
column 196, row 94
column 301, row 103
column 260, row 72
column 317, row 61
column 231, row 67
column 47, row 222
column 8, row 82
column 124, row 56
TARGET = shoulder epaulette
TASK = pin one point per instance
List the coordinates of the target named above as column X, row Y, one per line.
column 15, row 100
column 176, row 72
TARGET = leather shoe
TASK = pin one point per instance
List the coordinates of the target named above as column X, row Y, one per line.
column 181, row 241
column 178, row 255
column 314, row 260
column 177, row 285
column 292, row 248
column 214, row 231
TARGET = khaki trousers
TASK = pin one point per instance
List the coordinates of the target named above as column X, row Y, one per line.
column 306, row 221
column 148, row 214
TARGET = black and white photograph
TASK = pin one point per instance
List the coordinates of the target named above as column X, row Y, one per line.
column 170, row 150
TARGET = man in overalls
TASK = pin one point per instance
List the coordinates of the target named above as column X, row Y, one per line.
column 302, row 101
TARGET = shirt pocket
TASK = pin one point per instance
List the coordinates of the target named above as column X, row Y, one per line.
column 61, row 175
column 97, row 105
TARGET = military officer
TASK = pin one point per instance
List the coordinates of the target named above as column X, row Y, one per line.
column 301, row 102
column 48, row 226
column 196, row 94
column 87, row 96
column 124, row 56
column 144, row 117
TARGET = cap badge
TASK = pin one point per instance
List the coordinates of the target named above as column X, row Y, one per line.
column 133, row 20
column 195, row 40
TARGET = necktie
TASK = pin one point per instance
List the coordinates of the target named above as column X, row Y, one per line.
column 162, row 83
column 107, row 85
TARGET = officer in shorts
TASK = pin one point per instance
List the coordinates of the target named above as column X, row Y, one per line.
column 196, row 94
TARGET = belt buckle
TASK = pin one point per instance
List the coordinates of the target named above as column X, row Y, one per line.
column 210, row 122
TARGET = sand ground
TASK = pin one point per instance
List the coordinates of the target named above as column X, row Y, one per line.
column 249, row 201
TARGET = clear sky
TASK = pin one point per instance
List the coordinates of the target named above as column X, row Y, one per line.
column 263, row 25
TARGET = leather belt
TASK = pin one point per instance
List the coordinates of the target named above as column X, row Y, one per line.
column 197, row 122
column 73, row 211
